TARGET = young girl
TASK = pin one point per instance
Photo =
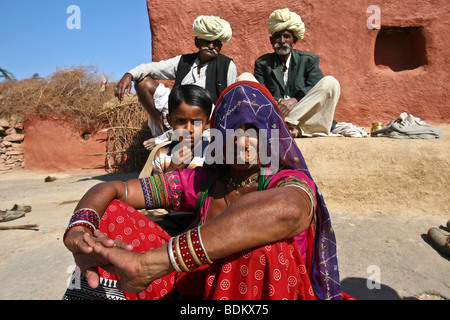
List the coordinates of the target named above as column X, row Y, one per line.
column 189, row 110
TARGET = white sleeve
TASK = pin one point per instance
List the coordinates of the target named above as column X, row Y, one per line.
column 232, row 73
column 161, row 70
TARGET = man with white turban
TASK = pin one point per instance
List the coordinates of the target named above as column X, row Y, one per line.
column 306, row 98
column 206, row 68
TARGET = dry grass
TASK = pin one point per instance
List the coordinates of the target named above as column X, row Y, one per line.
column 126, row 133
column 74, row 96
column 71, row 94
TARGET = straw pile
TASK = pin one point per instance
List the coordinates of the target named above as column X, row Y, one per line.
column 71, row 94
column 79, row 97
column 126, row 133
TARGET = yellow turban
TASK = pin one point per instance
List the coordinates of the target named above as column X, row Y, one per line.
column 212, row 28
column 283, row 19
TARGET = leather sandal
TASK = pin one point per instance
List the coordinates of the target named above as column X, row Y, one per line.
column 440, row 239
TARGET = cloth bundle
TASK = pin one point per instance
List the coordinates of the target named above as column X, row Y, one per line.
column 349, row 130
column 408, row 127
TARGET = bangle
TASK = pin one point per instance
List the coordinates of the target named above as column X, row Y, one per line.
column 126, row 192
column 186, row 251
column 85, row 217
column 201, row 245
column 171, row 255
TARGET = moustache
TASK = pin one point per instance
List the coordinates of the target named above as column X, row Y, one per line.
column 282, row 45
column 213, row 50
column 282, row 48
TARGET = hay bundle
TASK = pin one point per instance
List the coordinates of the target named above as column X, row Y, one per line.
column 72, row 94
column 77, row 96
column 126, row 133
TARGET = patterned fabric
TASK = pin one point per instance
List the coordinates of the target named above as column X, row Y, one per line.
column 275, row 271
column 82, row 291
column 250, row 102
column 156, row 192
column 272, row 272
column 295, row 181
column 122, row 222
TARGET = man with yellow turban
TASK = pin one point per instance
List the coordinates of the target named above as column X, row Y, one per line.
column 206, row 68
column 305, row 96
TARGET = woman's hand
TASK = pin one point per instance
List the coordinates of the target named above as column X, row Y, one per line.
column 135, row 270
column 84, row 255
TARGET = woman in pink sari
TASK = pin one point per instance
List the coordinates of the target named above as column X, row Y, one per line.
column 264, row 230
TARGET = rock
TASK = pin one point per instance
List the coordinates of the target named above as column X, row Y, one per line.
column 18, row 126
column 13, row 153
column 14, row 137
column 10, row 131
column 4, row 123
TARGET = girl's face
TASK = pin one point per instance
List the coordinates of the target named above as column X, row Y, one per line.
column 192, row 119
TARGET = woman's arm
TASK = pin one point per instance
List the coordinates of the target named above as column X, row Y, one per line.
column 257, row 219
column 253, row 220
column 100, row 196
column 98, row 199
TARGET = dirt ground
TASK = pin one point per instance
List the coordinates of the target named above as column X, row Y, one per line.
column 383, row 195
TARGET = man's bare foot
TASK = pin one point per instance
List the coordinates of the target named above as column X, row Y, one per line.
column 149, row 144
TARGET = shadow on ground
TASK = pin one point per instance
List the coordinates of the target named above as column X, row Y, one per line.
column 358, row 288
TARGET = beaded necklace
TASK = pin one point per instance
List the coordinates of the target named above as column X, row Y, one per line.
column 248, row 182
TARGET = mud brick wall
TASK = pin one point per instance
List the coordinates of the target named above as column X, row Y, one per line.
column 402, row 66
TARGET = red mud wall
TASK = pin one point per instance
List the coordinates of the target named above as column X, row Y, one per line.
column 53, row 145
column 406, row 70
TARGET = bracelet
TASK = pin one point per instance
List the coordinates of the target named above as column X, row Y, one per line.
column 85, row 217
column 171, row 256
column 126, row 192
column 186, row 251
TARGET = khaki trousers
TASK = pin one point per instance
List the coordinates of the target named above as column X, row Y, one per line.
column 314, row 114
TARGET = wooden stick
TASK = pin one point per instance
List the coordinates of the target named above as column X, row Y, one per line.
column 23, row 226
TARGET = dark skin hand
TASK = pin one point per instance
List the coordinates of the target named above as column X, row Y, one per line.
column 286, row 105
column 124, row 86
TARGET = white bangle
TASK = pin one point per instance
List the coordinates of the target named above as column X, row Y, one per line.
column 171, row 257
column 126, row 192
column 201, row 244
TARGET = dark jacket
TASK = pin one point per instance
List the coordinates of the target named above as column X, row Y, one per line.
column 216, row 73
column 304, row 73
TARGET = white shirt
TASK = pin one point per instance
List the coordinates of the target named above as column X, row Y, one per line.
column 286, row 73
column 167, row 69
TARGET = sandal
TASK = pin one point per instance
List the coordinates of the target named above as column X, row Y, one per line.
column 440, row 239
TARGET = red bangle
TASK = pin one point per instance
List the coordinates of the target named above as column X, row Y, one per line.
column 186, row 251
column 82, row 223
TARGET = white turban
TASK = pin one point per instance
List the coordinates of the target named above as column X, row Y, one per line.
column 212, row 28
column 283, row 19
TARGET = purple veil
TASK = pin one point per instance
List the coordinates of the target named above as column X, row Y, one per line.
column 250, row 102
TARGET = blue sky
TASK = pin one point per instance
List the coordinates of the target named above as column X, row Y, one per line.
column 114, row 36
